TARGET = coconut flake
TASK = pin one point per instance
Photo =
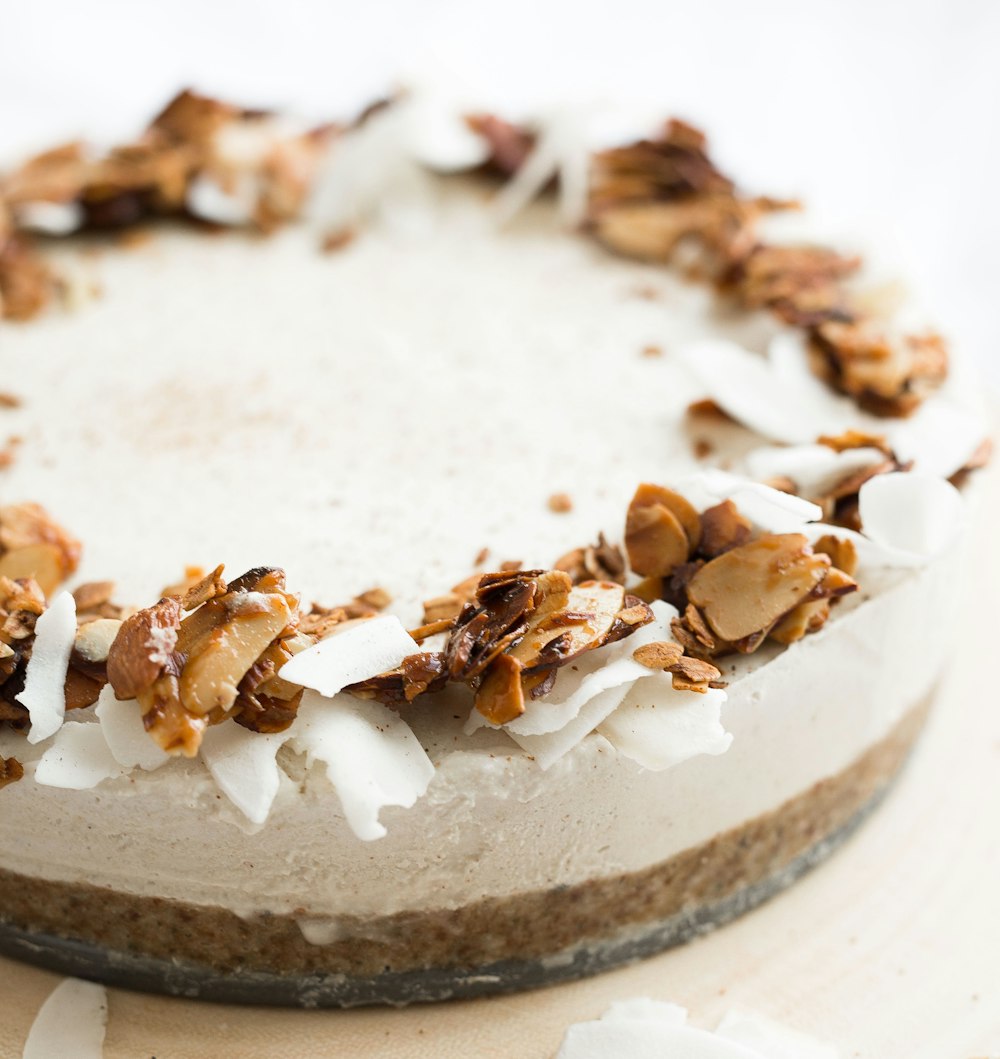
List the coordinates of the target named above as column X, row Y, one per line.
column 650, row 1029
column 768, row 509
column 44, row 694
column 438, row 135
column 940, row 437
column 915, row 514
column 71, row 1022
column 244, row 766
column 129, row 742
column 50, row 218
column 78, row 759
column 658, row 727
column 372, row 757
column 815, row 469
column 352, row 653
column 234, row 207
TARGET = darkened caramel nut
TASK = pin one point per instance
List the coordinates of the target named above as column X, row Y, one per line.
column 81, row 689
column 749, row 588
column 213, row 670
column 570, row 623
column 660, row 655
column 655, row 539
column 416, row 675
column 722, row 528
column 500, row 697
column 843, row 554
column 143, row 648
column 423, row 632
column 695, row 622
column 648, row 589
column 597, row 562
column 208, row 587
column 11, row 770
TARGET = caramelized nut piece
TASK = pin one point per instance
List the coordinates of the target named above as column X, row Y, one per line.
column 723, row 527
column 208, row 587
column 500, row 697
column 43, row 562
column 143, row 647
column 655, row 538
column 843, row 554
column 746, row 590
column 807, row 617
column 11, row 770
column 212, row 673
column 24, row 526
column 660, row 655
column 693, row 674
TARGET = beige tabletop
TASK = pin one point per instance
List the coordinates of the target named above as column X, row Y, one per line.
column 890, row 950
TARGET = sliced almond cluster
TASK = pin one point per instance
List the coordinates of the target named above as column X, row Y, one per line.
column 886, row 375
column 214, row 653
column 510, row 638
column 733, row 590
column 193, row 137
column 597, row 562
column 21, row 603
column 655, row 199
column 687, row 673
column 32, row 545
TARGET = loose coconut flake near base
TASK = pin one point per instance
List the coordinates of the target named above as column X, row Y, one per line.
column 654, row 1029
column 71, row 1023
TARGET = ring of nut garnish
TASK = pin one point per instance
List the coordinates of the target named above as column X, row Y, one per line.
column 210, row 651
column 661, row 200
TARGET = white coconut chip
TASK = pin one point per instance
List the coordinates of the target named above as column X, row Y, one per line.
column 70, row 1024
column 768, row 509
column 940, row 437
column 129, row 742
column 918, row 514
column 372, row 757
column 658, row 727
column 815, row 469
column 359, row 650
column 438, row 136
column 757, row 392
column 234, row 207
column 650, row 1029
column 244, row 766
column 44, row 694
column 78, row 759
column 50, row 218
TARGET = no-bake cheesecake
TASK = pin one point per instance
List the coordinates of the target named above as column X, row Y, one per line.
column 648, row 520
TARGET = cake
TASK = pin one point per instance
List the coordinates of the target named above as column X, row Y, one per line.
column 647, row 508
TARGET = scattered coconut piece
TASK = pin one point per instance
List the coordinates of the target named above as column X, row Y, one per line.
column 919, row 514
column 71, row 1022
column 44, row 695
column 372, row 757
column 816, row 470
column 354, row 651
column 244, row 766
column 125, row 734
column 659, row 727
column 78, row 759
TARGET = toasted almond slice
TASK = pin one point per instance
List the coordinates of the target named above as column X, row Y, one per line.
column 595, row 604
column 93, row 640
column 747, row 589
column 655, row 541
column 659, row 655
column 500, row 697
column 43, row 562
column 723, row 527
column 842, row 551
column 212, row 673
column 92, row 594
column 680, row 507
column 807, row 617
column 208, row 587
column 80, row 689
column 174, row 729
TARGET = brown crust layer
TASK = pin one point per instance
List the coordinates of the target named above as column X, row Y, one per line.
column 526, row 926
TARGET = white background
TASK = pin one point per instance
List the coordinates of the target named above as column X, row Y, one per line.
column 884, row 114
